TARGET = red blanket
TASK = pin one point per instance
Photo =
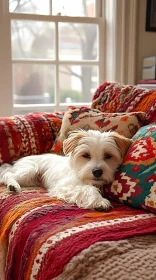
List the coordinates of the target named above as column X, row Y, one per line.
column 41, row 235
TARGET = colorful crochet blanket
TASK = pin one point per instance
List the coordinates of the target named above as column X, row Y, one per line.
column 115, row 97
column 44, row 238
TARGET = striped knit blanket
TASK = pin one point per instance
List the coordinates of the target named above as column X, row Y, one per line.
column 44, row 238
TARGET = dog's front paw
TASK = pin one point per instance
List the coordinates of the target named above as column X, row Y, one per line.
column 102, row 205
column 13, row 187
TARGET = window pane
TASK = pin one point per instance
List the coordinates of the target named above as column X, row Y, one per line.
column 78, row 41
column 29, row 6
column 74, row 8
column 77, row 83
column 33, row 83
column 32, row 39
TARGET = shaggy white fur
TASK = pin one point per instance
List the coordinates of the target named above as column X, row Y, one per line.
column 90, row 162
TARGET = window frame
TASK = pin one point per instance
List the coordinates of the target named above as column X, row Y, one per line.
column 5, row 21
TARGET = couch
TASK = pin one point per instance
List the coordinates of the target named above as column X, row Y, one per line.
column 45, row 238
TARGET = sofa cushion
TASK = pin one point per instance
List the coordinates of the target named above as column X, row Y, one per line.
column 135, row 182
column 124, row 123
column 28, row 134
column 117, row 97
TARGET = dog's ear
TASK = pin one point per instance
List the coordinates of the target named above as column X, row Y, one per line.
column 72, row 141
column 122, row 142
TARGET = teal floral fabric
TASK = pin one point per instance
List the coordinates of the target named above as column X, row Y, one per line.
column 135, row 181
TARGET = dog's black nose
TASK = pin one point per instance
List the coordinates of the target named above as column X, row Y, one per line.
column 97, row 172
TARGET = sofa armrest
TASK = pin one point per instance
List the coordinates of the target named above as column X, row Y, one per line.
column 28, row 134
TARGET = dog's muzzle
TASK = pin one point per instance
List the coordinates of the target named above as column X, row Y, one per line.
column 97, row 172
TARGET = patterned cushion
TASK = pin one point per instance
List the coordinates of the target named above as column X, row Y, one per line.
column 115, row 97
column 135, row 182
column 28, row 134
column 124, row 123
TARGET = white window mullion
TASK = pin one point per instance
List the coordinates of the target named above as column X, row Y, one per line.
column 50, row 7
column 6, row 104
column 98, row 8
column 101, row 46
column 36, row 61
column 33, row 106
column 61, row 62
column 57, row 95
column 48, row 106
column 52, row 18
column 101, row 58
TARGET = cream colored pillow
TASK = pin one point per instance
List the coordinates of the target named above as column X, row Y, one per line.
column 126, row 124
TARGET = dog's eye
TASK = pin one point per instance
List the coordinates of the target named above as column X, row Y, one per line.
column 107, row 156
column 86, row 155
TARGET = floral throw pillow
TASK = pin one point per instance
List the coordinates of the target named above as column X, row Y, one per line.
column 135, row 182
column 126, row 124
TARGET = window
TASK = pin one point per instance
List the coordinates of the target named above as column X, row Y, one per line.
column 54, row 48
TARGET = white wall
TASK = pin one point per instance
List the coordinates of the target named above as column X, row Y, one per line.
column 146, row 41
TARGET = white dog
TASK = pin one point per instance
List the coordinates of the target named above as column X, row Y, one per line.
column 91, row 160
